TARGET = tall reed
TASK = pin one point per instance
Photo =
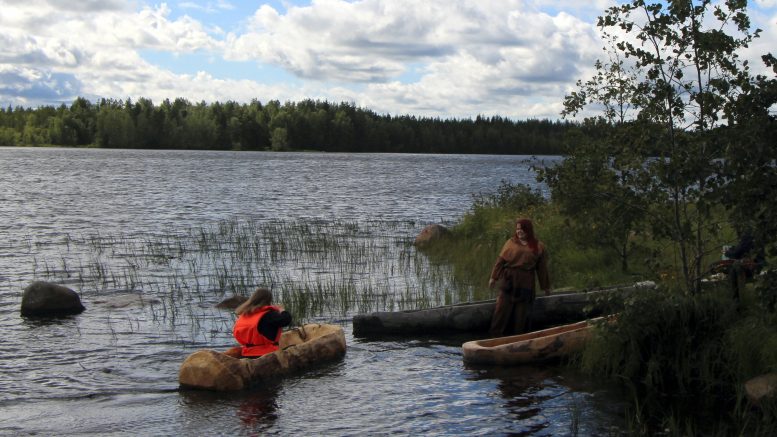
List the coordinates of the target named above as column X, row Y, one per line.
column 320, row 270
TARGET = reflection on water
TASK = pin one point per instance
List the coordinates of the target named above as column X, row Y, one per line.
column 152, row 240
column 258, row 412
column 255, row 410
column 550, row 400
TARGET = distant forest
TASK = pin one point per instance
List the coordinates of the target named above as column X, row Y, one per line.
column 305, row 125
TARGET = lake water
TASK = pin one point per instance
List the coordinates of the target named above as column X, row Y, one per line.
column 130, row 226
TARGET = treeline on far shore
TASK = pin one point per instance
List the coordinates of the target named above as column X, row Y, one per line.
column 305, row 125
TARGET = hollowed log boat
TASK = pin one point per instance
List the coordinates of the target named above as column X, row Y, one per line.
column 299, row 349
column 547, row 311
column 532, row 347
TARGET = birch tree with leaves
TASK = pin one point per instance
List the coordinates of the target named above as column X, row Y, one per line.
column 671, row 79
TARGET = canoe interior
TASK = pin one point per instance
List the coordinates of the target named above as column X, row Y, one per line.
column 494, row 342
column 530, row 348
column 306, row 333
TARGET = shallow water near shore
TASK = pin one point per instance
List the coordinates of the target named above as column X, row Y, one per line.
column 152, row 240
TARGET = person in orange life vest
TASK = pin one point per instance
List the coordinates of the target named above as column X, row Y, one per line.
column 259, row 324
column 521, row 259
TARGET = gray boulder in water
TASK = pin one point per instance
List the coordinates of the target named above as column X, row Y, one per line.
column 47, row 299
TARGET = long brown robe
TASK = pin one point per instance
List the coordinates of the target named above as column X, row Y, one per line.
column 514, row 273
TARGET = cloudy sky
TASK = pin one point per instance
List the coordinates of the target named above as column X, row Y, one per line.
column 439, row 58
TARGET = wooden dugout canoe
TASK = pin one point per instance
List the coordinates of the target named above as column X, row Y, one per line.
column 476, row 316
column 531, row 347
column 299, row 349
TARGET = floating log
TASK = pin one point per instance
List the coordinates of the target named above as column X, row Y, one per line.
column 476, row 316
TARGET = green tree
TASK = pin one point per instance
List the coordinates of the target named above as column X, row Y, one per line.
column 280, row 139
column 115, row 128
column 597, row 192
column 342, row 130
column 200, row 130
column 750, row 167
column 34, row 134
column 682, row 77
column 60, row 131
column 83, row 120
column 148, row 124
column 9, row 137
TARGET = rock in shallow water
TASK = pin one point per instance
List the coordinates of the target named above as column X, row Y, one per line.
column 47, row 299
column 431, row 234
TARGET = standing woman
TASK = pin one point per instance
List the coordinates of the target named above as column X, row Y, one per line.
column 522, row 258
column 258, row 327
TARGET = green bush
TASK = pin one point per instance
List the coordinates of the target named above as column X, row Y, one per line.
column 673, row 349
column 666, row 342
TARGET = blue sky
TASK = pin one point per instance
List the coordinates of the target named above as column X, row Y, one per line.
column 439, row 58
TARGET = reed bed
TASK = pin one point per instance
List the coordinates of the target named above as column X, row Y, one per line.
column 318, row 270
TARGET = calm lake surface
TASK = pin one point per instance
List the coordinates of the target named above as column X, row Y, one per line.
column 138, row 234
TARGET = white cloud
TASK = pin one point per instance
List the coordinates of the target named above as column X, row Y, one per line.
column 93, row 54
column 158, row 85
column 110, row 29
column 29, row 86
column 483, row 55
column 371, row 40
column 443, row 58
column 473, row 57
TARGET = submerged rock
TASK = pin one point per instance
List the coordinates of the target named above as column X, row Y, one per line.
column 430, row 234
column 47, row 299
column 127, row 300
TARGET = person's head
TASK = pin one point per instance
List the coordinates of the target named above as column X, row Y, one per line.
column 524, row 230
column 261, row 297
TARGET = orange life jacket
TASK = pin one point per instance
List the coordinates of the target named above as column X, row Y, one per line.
column 246, row 332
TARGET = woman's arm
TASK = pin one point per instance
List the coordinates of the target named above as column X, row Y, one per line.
column 496, row 271
column 273, row 320
column 542, row 272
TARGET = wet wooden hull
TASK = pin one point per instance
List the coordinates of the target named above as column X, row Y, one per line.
column 532, row 347
column 476, row 316
column 300, row 349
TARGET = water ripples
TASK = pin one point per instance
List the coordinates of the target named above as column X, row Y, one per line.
column 112, row 370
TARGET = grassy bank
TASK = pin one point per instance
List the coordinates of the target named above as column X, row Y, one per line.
column 477, row 239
